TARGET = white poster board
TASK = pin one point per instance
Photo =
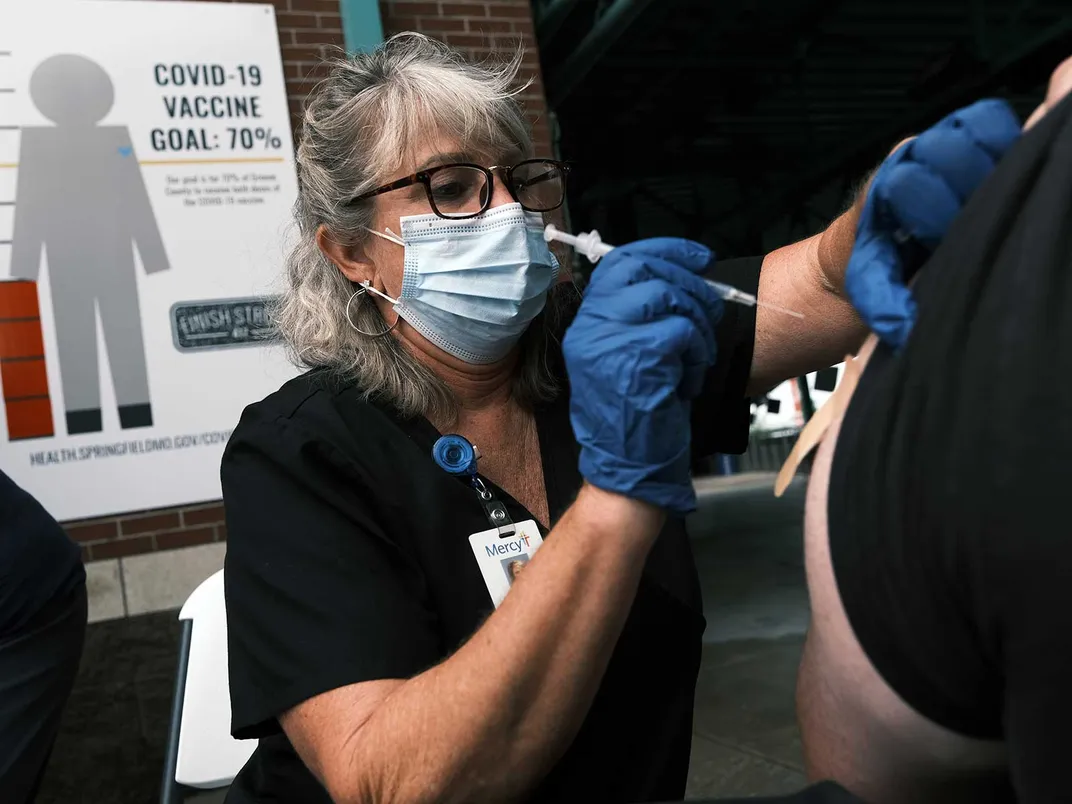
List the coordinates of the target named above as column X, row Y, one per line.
column 146, row 181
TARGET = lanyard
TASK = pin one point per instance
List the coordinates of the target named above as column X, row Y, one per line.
column 456, row 456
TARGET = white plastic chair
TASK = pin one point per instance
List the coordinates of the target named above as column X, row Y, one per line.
column 201, row 753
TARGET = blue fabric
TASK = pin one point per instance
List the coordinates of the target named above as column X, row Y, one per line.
column 636, row 353
column 914, row 197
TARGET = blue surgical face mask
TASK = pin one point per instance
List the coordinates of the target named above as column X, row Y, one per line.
column 473, row 286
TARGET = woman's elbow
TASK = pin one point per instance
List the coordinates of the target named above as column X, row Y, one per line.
column 373, row 783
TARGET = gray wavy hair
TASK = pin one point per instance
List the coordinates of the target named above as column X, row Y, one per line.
column 358, row 127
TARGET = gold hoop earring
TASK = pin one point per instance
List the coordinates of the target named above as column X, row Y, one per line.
column 361, row 291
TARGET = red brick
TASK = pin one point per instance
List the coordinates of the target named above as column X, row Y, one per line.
column 307, row 70
column 93, row 532
column 185, row 538
column 419, row 9
column 407, row 23
column 330, row 21
column 314, row 5
column 123, row 547
column 149, row 523
column 296, row 19
column 300, row 88
column 301, row 53
column 202, row 516
column 466, row 40
column 318, row 38
column 508, row 42
column 501, row 48
column 491, row 26
column 438, row 25
column 503, row 10
column 465, row 9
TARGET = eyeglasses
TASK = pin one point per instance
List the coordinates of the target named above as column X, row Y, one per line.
column 463, row 190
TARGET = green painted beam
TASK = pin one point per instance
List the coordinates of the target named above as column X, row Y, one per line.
column 361, row 24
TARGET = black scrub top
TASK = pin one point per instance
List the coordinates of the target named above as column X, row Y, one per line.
column 39, row 564
column 348, row 560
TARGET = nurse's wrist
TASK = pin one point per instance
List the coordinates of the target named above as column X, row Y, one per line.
column 618, row 516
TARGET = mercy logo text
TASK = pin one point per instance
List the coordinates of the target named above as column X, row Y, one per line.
column 503, row 548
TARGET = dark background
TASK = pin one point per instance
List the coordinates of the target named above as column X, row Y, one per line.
column 748, row 124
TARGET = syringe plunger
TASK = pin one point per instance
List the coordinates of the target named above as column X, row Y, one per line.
column 590, row 244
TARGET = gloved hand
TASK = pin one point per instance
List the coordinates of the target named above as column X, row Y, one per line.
column 914, row 197
column 637, row 351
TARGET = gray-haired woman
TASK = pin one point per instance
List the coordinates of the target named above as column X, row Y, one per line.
column 373, row 649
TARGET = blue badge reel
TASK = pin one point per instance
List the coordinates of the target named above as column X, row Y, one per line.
column 502, row 551
column 455, row 455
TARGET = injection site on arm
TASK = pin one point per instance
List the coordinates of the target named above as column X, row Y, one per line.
column 592, row 246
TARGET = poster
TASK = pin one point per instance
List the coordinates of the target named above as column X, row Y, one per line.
column 146, row 182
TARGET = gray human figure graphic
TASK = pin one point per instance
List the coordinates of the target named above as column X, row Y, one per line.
column 80, row 195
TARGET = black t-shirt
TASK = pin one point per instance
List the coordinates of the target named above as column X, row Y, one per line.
column 39, row 564
column 348, row 560
column 947, row 495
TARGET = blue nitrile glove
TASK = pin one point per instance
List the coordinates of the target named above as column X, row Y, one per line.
column 637, row 351
column 914, row 197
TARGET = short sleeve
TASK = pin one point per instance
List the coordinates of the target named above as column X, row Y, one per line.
column 721, row 414
column 318, row 595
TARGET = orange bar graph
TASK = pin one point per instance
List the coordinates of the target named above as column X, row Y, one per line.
column 23, row 377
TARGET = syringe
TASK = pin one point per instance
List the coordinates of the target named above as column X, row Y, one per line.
column 592, row 246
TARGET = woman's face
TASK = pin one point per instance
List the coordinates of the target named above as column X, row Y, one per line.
column 380, row 261
column 384, row 259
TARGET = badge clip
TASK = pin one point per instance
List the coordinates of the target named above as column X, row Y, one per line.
column 496, row 512
column 456, row 456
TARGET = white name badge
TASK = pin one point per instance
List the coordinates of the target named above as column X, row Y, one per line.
column 502, row 560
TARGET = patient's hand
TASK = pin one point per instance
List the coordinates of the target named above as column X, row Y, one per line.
column 1060, row 85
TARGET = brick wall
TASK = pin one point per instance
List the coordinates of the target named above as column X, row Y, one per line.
column 146, row 531
column 308, row 31
column 480, row 29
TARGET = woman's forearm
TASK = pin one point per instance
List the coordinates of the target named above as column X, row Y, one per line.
column 489, row 722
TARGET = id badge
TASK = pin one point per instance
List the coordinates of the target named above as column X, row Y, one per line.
column 501, row 560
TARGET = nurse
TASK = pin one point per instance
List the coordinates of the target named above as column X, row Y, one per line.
column 377, row 647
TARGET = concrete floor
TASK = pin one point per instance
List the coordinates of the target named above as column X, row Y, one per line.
column 748, row 549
